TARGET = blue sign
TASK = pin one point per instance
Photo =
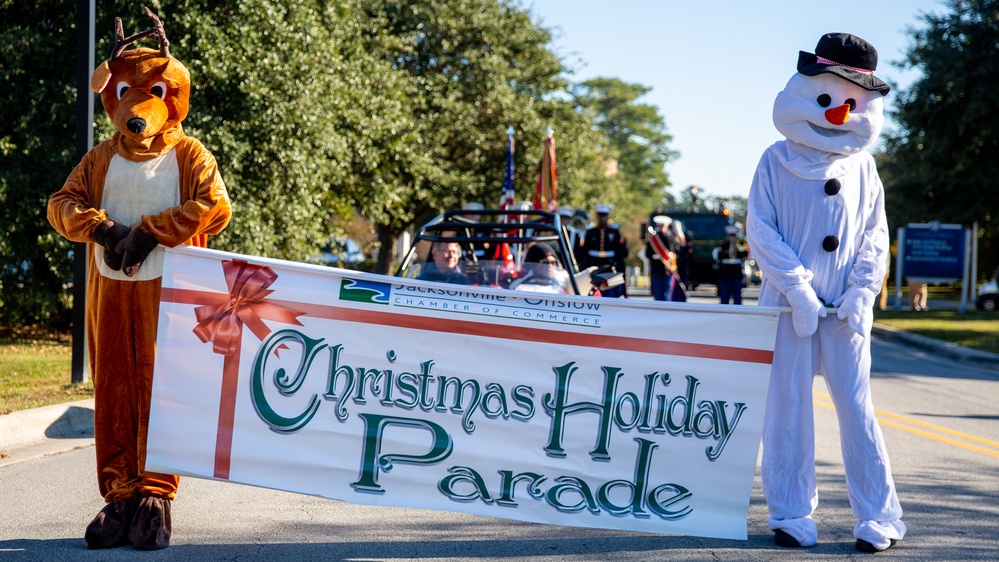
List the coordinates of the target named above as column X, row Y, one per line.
column 934, row 251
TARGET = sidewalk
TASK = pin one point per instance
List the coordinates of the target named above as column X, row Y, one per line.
column 950, row 350
column 947, row 349
column 29, row 434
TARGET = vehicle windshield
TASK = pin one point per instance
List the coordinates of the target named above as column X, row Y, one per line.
column 493, row 251
column 490, row 264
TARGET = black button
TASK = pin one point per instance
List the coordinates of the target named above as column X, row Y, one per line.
column 830, row 243
column 833, row 186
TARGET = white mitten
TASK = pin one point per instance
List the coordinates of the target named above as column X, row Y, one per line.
column 806, row 309
column 857, row 308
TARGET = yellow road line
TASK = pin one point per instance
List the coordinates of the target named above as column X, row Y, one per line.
column 947, row 440
column 939, row 429
column 827, row 403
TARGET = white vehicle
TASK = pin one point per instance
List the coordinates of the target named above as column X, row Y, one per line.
column 988, row 293
column 340, row 252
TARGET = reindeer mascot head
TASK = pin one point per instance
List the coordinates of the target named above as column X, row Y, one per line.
column 144, row 91
column 148, row 187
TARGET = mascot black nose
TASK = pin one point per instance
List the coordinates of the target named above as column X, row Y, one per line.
column 136, row 124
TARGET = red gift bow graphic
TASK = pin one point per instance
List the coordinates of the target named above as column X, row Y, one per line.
column 222, row 324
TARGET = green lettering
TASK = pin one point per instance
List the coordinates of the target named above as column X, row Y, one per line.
column 286, row 385
column 468, row 475
column 373, row 461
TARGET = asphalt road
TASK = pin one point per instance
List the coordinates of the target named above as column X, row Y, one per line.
column 939, row 417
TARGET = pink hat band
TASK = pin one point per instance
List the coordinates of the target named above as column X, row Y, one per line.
column 823, row 60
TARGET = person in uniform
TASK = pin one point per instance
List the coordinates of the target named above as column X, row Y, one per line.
column 663, row 272
column 684, row 255
column 602, row 246
column 729, row 257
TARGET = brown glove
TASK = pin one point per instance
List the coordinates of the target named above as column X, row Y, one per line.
column 135, row 249
column 108, row 234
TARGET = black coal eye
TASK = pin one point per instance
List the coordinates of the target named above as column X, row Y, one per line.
column 159, row 90
column 852, row 103
column 824, row 100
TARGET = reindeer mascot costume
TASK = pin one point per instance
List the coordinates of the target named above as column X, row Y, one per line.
column 147, row 187
column 818, row 231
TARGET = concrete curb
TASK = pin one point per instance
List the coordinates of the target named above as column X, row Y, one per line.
column 59, row 421
column 953, row 351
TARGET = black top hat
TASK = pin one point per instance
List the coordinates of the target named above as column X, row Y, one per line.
column 846, row 56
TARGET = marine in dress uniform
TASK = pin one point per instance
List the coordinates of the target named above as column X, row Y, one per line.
column 730, row 260
column 663, row 271
column 603, row 245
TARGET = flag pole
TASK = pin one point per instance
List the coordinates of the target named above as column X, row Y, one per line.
column 508, row 193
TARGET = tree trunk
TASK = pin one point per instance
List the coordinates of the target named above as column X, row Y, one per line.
column 386, row 251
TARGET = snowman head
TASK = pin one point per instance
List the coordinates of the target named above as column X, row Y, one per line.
column 834, row 103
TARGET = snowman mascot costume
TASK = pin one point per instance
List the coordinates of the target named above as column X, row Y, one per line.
column 818, row 231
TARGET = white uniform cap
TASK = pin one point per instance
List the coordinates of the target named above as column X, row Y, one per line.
column 731, row 229
column 474, row 206
column 662, row 220
column 566, row 211
column 603, row 209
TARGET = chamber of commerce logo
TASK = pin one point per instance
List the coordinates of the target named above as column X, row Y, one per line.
column 359, row 290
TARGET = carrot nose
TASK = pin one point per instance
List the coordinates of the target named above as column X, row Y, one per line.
column 838, row 115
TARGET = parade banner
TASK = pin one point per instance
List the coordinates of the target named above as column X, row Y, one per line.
column 607, row 413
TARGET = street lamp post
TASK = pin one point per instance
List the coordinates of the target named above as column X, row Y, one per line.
column 85, row 16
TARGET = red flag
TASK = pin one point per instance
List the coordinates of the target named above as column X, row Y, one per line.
column 544, row 197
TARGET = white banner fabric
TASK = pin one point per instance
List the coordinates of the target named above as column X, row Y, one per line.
column 608, row 413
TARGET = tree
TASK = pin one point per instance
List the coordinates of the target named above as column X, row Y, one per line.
column 638, row 139
column 287, row 95
column 37, row 57
column 943, row 161
column 299, row 111
column 474, row 67
column 315, row 111
column 637, row 134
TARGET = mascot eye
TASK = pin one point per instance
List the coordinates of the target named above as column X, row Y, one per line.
column 159, row 90
column 122, row 88
column 852, row 103
column 824, row 100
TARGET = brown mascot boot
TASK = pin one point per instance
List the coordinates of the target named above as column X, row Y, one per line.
column 151, row 524
column 110, row 528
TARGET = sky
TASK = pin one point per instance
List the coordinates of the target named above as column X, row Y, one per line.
column 715, row 67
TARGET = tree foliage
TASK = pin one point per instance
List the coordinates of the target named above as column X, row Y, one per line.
column 639, row 146
column 316, row 111
column 637, row 135
column 300, row 112
column 37, row 58
column 474, row 68
column 943, row 161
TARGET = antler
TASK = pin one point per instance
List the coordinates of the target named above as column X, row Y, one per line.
column 157, row 33
column 160, row 34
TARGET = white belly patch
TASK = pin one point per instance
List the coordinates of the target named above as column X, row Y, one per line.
column 134, row 189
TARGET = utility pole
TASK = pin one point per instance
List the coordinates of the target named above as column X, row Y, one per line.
column 85, row 16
